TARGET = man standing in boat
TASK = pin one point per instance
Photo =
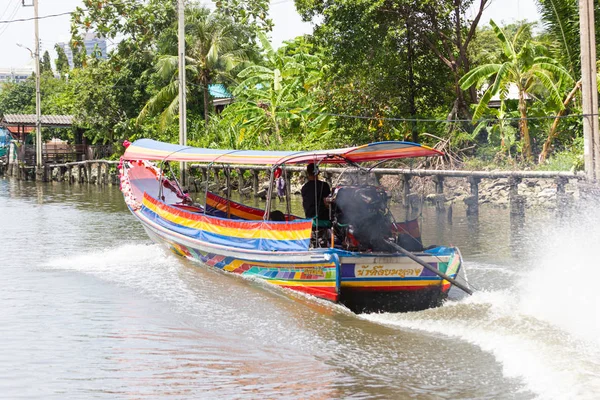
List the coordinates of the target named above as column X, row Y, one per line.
column 313, row 194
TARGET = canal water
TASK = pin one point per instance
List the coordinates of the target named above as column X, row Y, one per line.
column 90, row 308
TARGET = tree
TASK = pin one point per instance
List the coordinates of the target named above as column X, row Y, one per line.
column 18, row 98
column 138, row 23
column 441, row 26
column 561, row 21
column 276, row 101
column 45, row 64
column 61, row 62
column 554, row 129
column 79, row 54
column 252, row 13
column 214, row 46
column 525, row 69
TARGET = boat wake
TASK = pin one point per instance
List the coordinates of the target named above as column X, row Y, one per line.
column 146, row 268
column 543, row 327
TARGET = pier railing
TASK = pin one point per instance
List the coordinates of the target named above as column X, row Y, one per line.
column 473, row 178
column 248, row 180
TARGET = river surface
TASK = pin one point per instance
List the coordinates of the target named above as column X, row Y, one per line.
column 90, row 308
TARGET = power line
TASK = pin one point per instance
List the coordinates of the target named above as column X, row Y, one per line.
column 4, row 13
column 38, row 18
column 13, row 13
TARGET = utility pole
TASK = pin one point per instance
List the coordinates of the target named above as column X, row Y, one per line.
column 589, row 90
column 182, row 87
column 39, row 171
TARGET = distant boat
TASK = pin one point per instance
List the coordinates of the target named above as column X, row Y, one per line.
column 360, row 257
column 5, row 138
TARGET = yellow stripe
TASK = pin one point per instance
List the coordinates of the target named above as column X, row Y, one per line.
column 241, row 233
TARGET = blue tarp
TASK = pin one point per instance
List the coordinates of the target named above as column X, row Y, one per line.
column 5, row 137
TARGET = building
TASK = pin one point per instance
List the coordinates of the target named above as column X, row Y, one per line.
column 17, row 75
column 90, row 42
column 221, row 97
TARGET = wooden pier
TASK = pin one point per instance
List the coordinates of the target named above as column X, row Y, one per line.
column 247, row 180
column 100, row 172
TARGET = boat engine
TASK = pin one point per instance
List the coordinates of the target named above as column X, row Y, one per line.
column 361, row 218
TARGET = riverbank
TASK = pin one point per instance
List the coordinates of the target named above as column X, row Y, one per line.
column 525, row 189
column 536, row 193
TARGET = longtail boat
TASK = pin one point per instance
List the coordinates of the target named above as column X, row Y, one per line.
column 360, row 257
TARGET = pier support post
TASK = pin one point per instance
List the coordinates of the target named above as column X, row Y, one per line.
column 227, row 172
column 105, row 174
column 561, row 194
column 88, row 171
column 472, row 201
column 329, row 178
column 517, row 201
column 405, row 185
column 98, row 173
column 217, row 178
column 255, row 181
column 240, row 180
column 439, row 192
column 40, row 173
column 378, row 178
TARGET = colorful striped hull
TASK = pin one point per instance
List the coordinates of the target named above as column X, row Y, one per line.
column 314, row 274
column 363, row 282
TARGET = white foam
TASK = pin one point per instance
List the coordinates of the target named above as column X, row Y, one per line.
column 547, row 360
column 148, row 268
column 545, row 329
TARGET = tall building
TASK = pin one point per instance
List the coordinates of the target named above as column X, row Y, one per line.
column 15, row 74
column 90, row 42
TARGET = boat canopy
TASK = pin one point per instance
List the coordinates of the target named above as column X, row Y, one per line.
column 147, row 149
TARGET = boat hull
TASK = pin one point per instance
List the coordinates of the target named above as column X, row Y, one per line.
column 362, row 282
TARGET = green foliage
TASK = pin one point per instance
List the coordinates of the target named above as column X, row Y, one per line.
column 373, row 70
column 251, row 13
column 276, row 102
column 570, row 159
column 61, row 62
column 139, row 24
column 561, row 21
column 382, row 62
column 18, row 98
column 45, row 64
column 215, row 46
column 524, row 66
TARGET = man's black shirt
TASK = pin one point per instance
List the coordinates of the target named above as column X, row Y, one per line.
column 308, row 199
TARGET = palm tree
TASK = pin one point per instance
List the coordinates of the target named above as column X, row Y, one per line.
column 525, row 69
column 561, row 21
column 212, row 51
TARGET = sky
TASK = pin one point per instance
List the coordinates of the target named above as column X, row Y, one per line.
column 287, row 24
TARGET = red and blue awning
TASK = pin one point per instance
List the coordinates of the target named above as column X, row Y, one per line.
column 147, row 149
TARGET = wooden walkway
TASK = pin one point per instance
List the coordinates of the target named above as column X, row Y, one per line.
column 248, row 178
